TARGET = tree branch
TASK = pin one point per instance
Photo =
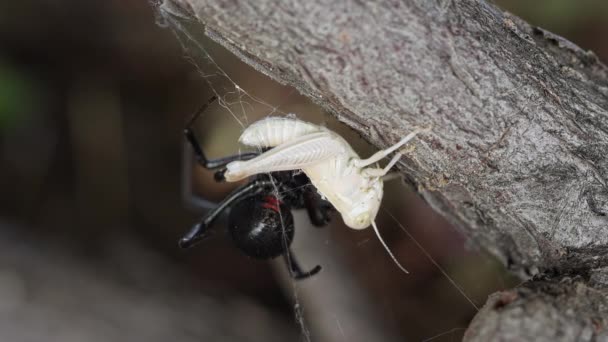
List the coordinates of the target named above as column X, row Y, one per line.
column 517, row 156
column 566, row 309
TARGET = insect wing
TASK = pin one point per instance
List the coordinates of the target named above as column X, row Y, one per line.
column 295, row 154
column 274, row 131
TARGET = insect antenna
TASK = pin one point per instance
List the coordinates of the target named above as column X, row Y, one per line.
column 386, row 247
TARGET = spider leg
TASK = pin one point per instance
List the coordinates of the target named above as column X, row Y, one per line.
column 198, row 151
column 197, row 232
column 200, row 157
column 294, row 267
column 317, row 209
column 192, row 200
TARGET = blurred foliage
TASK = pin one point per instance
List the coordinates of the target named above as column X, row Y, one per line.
column 95, row 94
column 585, row 22
column 558, row 15
column 17, row 96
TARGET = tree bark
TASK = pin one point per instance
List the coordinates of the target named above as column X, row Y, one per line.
column 566, row 309
column 516, row 158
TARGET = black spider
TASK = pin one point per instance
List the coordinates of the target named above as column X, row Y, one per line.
column 260, row 220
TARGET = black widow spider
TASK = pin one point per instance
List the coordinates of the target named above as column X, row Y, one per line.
column 260, row 220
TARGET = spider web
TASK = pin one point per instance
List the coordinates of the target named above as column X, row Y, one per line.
column 242, row 105
column 232, row 98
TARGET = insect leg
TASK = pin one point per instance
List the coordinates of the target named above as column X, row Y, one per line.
column 292, row 155
column 392, row 163
column 373, row 172
column 294, row 268
column 391, row 176
column 383, row 153
column 197, row 232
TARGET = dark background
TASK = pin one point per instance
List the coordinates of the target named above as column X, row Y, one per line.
column 93, row 98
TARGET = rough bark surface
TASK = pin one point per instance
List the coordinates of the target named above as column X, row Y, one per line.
column 517, row 154
column 516, row 158
column 545, row 310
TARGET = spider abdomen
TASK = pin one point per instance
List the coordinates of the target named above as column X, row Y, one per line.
column 261, row 226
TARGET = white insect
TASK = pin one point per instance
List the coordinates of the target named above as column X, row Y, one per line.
column 354, row 186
